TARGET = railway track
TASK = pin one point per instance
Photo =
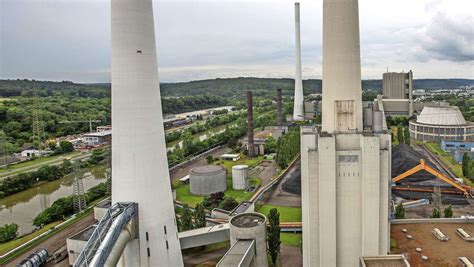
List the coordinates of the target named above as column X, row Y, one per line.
column 438, row 163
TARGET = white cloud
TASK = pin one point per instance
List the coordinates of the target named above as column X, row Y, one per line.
column 70, row 39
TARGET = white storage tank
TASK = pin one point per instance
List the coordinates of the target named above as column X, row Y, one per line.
column 377, row 122
column 208, row 179
column 240, row 177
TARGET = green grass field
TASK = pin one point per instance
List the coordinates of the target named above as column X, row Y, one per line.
column 291, row 239
column 449, row 161
column 5, row 247
column 287, row 214
column 251, row 162
column 184, row 195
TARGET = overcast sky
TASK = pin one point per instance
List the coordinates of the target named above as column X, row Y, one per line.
column 201, row 39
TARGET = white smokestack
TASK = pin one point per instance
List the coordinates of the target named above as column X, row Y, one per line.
column 342, row 92
column 139, row 163
column 298, row 108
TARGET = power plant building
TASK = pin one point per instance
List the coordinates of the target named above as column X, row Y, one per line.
column 345, row 168
column 398, row 85
column 208, row 179
column 436, row 123
column 398, row 93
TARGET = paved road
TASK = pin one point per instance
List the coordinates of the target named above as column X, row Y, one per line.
column 34, row 167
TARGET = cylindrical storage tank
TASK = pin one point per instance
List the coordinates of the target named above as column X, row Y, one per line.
column 208, row 179
column 378, row 121
column 251, row 226
column 240, row 177
column 368, row 117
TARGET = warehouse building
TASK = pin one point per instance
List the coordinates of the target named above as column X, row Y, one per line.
column 436, row 123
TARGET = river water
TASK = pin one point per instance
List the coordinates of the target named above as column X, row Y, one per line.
column 21, row 208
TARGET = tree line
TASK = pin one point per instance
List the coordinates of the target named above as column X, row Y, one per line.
column 202, row 127
column 46, row 173
column 191, row 146
column 287, row 147
column 63, row 207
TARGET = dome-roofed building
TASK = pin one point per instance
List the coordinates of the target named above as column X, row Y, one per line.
column 437, row 123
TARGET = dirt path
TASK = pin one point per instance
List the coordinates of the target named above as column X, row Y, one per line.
column 291, row 256
column 268, row 169
column 58, row 240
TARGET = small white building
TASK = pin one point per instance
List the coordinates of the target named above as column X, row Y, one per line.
column 98, row 138
column 29, row 153
column 233, row 157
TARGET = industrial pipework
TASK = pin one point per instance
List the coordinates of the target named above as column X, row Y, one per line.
column 107, row 242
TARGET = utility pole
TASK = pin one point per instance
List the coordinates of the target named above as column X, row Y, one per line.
column 37, row 127
column 79, row 199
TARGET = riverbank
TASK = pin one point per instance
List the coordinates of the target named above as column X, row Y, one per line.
column 22, row 207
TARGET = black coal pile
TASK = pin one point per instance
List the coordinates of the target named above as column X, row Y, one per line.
column 404, row 158
column 445, row 199
column 292, row 184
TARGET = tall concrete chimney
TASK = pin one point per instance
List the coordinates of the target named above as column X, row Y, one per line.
column 342, row 92
column 298, row 108
column 279, row 108
column 251, row 147
column 139, row 164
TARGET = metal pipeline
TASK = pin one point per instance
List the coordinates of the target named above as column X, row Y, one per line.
column 117, row 250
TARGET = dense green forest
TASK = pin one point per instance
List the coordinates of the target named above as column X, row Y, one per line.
column 225, row 88
column 57, row 102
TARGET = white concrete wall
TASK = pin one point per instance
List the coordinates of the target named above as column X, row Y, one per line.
column 139, row 164
column 345, row 196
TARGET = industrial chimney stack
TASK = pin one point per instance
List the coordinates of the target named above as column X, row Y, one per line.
column 279, row 108
column 298, row 108
column 250, row 145
column 139, row 164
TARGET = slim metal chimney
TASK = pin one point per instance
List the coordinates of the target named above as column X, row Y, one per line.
column 298, row 108
column 279, row 108
column 251, row 147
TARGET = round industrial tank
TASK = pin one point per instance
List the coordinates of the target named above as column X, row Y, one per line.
column 240, row 177
column 251, row 226
column 378, row 121
column 208, row 179
column 368, row 117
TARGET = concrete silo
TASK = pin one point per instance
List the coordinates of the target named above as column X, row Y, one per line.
column 240, row 177
column 207, row 179
column 251, row 226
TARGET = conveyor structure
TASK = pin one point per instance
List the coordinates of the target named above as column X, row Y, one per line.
column 108, row 240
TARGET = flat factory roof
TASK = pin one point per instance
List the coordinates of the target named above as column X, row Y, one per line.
column 99, row 134
column 85, row 234
column 439, row 253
